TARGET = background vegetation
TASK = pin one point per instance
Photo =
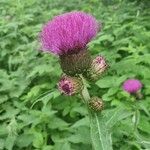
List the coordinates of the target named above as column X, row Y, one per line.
column 33, row 114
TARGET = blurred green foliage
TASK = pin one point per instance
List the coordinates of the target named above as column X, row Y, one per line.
column 33, row 114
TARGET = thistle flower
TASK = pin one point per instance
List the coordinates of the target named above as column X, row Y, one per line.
column 96, row 104
column 68, row 33
column 70, row 85
column 98, row 67
column 133, row 86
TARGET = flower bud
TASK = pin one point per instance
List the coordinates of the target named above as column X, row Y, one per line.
column 77, row 63
column 98, row 67
column 70, row 85
column 96, row 104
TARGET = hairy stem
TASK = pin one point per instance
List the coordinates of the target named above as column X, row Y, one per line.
column 100, row 136
column 85, row 93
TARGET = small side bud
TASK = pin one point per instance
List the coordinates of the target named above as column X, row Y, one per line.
column 98, row 67
column 70, row 85
column 96, row 104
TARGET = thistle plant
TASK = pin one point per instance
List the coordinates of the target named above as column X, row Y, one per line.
column 133, row 87
column 67, row 36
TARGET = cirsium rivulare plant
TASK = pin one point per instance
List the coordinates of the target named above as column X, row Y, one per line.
column 67, row 36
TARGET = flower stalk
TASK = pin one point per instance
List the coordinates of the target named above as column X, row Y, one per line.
column 100, row 136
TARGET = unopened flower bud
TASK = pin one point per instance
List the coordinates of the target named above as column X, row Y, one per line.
column 96, row 104
column 98, row 67
column 70, row 85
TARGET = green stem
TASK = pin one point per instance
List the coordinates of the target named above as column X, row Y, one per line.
column 136, row 120
column 85, row 94
column 136, row 115
column 100, row 136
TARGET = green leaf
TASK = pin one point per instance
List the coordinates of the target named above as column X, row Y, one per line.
column 2, row 142
column 47, row 147
column 144, row 141
column 79, row 136
column 10, row 141
column 38, row 140
column 144, row 124
column 116, row 115
column 101, row 125
column 101, row 138
column 106, row 38
column 81, row 122
column 24, row 140
column 57, row 123
column 62, row 146
column 107, row 82
column 3, row 98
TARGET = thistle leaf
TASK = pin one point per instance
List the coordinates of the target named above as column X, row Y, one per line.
column 101, row 124
column 101, row 137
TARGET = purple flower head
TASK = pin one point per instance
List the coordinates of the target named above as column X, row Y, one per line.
column 68, row 33
column 132, row 85
column 66, row 87
column 69, row 85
